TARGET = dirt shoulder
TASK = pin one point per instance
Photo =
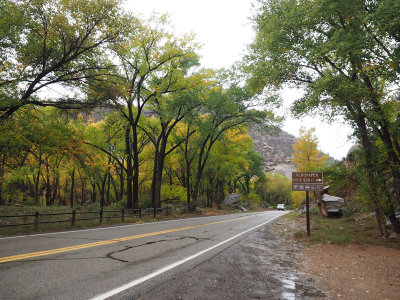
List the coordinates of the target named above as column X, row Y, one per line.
column 350, row 270
column 355, row 271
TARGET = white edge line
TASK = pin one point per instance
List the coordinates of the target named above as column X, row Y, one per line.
column 111, row 227
column 171, row 266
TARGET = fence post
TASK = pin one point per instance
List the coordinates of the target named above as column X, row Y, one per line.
column 73, row 218
column 155, row 212
column 101, row 215
column 36, row 221
column 122, row 215
column 140, row 212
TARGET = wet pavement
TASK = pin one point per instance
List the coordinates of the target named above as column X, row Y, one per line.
column 261, row 266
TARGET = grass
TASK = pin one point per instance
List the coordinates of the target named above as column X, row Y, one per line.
column 357, row 229
column 81, row 212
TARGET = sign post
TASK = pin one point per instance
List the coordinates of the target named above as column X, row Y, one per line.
column 307, row 181
column 308, row 214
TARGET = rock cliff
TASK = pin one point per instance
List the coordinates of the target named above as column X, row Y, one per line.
column 277, row 151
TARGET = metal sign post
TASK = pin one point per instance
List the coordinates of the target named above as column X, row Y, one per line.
column 308, row 214
column 307, row 181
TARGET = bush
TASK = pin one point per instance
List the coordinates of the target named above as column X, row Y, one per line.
column 145, row 200
column 314, row 210
column 253, row 197
column 347, row 211
column 122, row 203
column 179, row 209
column 173, row 192
column 92, row 206
column 299, row 233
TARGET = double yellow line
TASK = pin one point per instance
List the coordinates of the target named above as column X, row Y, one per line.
column 101, row 243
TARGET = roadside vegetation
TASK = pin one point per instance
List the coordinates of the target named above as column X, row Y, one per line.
column 101, row 108
column 92, row 211
column 359, row 229
column 344, row 55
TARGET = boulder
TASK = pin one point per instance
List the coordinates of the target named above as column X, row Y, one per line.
column 333, row 204
column 232, row 200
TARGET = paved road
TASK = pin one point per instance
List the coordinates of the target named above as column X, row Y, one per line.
column 116, row 262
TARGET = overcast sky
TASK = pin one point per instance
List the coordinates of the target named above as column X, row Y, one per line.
column 223, row 29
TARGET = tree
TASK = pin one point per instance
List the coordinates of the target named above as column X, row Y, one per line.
column 306, row 155
column 345, row 56
column 223, row 110
column 274, row 189
column 169, row 110
column 229, row 162
column 54, row 44
column 152, row 64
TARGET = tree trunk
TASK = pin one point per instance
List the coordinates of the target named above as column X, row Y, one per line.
column 121, row 183
column 55, row 188
column 71, row 199
column 48, row 188
column 65, row 191
column 117, row 195
column 221, row 194
column 102, row 190
column 93, row 192
column 83, row 191
column 129, row 170
column 159, row 159
column 393, row 220
column 367, row 145
column 188, row 162
column 108, row 190
column 135, row 178
column 36, row 197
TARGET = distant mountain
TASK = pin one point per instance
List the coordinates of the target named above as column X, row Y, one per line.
column 277, row 151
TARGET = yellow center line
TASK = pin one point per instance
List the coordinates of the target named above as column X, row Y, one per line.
column 101, row 243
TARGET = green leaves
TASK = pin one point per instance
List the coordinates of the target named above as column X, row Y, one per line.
column 55, row 43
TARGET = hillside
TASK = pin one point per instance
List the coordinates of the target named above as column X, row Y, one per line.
column 277, row 151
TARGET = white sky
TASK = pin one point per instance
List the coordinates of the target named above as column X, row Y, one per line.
column 224, row 30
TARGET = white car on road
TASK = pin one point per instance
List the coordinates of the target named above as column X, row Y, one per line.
column 280, row 207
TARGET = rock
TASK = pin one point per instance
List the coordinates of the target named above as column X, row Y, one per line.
column 303, row 210
column 232, row 200
column 333, row 204
column 242, row 208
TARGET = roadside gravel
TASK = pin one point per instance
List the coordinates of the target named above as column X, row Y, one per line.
column 262, row 266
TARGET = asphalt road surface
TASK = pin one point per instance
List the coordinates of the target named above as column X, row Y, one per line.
column 121, row 262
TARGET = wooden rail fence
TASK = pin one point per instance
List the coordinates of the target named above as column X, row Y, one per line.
column 75, row 216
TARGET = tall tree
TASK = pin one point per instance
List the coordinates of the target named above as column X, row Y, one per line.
column 54, row 44
column 223, row 110
column 306, row 156
column 345, row 56
column 170, row 110
column 153, row 63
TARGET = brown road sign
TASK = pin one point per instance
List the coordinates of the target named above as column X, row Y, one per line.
column 307, row 181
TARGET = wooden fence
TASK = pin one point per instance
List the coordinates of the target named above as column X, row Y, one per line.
column 77, row 216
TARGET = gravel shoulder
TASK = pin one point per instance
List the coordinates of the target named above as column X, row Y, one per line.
column 261, row 266
column 349, row 271
column 271, row 264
